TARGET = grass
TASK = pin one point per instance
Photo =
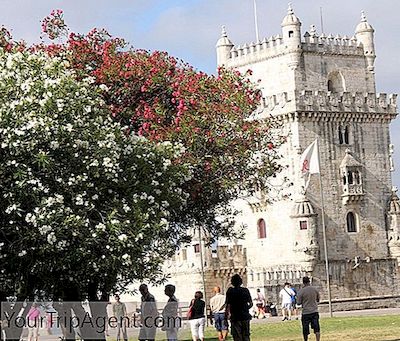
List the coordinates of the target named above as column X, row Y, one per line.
column 368, row 328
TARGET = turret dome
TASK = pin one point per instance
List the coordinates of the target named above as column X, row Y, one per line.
column 394, row 205
column 224, row 40
column 290, row 18
column 364, row 25
column 303, row 208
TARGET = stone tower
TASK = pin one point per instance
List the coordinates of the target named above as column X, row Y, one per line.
column 323, row 87
column 316, row 86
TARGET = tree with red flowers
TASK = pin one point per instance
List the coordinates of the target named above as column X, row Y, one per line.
column 229, row 152
column 164, row 99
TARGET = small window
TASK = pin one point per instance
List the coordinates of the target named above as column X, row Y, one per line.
column 303, row 225
column 330, row 86
column 261, row 229
column 344, row 133
column 184, row 254
column 357, row 178
column 350, row 177
column 351, row 222
column 196, row 248
column 291, row 34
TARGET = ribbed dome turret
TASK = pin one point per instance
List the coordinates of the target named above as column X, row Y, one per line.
column 290, row 18
column 364, row 25
column 394, row 205
column 303, row 208
column 224, row 40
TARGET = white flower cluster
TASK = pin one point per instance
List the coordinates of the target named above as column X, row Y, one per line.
column 70, row 177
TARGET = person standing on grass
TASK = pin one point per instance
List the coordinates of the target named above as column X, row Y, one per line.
column 217, row 304
column 308, row 298
column 238, row 303
column 33, row 322
column 197, row 318
column 119, row 312
column 286, row 295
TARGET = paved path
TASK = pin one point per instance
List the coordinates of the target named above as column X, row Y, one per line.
column 365, row 312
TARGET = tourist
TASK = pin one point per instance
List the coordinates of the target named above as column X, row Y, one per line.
column 260, row 304
column 217, row 305
column 33, row 317
column 294, row 302
column 308, row 298
column 286, row 295
column 197, row 317
column 119, row 311
column 238, row 303
column 149, row 314
column 171, row 320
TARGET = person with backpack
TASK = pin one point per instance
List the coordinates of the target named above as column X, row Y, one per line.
column 286, row 295
column 294, row 303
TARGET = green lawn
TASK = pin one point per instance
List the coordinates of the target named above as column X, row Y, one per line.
column 376, row 328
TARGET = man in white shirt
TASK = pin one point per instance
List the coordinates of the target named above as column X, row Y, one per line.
column 286, row 295
column 217, row 305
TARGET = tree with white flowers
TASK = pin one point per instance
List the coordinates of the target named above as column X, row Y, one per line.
column 83, row 207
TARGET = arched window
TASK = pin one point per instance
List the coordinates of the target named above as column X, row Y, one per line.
column 330, row 86
column 351, row 222
column 344, row 133
column 350, row 177
column 336, row 82
column 261, row 229
column 340, row 135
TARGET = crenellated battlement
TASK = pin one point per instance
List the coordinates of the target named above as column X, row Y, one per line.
column 327, row 101
column 332, row 44
column 275, row 46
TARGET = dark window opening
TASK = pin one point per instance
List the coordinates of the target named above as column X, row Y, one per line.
column 196, row 248
column 330, row 86
column 261, row 229
column 351, row 222
column 346, row 135
column 303, row 225
column 357, row 178
column 350, row 177
column 340, row 135
column 291, row 34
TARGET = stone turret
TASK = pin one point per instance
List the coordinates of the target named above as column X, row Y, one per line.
column 291, row 31
column 394, row 225
column 224, row 46
column 365, row 35
column 305, row 233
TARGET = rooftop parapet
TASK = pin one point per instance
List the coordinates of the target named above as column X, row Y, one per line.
column 325, row 101
column 275, row 46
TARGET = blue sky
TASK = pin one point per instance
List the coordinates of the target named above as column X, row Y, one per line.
column 189, row 29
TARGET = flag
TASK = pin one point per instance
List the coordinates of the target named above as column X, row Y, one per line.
column 309, row 162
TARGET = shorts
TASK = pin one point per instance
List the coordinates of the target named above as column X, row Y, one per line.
column 197, row 327
column 287, row 306
column 220, row 322
column 313, row 319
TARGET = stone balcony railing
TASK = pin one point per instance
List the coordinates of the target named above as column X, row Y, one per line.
column 307, row 101
column 352, row 193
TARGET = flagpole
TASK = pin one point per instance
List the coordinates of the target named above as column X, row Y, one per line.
column 328, row 282
column 202, row 270
column 256, row 21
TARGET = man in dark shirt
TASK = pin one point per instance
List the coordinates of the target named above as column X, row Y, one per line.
column 308, row 297
column 238, row 303
column 149, row 314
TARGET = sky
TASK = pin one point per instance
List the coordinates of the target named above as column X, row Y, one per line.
column 189, row 29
